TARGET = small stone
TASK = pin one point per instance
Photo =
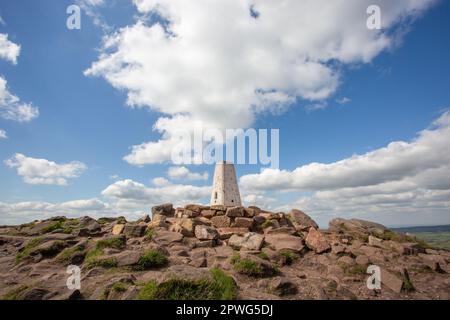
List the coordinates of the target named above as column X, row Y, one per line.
column 302, row 221
column 243, row 222
column 285, row 242
column 249, row 212
column 346, row 260
column 190, row 214
column 206, row 233
column 250, row 241
column 118, row 229
column 226, row 233
column 219, row 207
column 274, row 224
column 338, row 249
column 185, row 226
column 362, row 260
column 134, row 230
column 315, row 240
column 199, row 263
column 221, row 221
column 205, row 244
column 259, row 220
column 196, row 208
column 165, row 238
column 391, row 281
column 164, row 209
column 376, row 242
column 127, row 258
column 282, row 286
column 286, row 230
column 208, row 213
column 235, row 212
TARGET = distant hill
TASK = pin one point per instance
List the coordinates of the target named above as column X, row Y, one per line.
column 444, row 228
column 436, row 236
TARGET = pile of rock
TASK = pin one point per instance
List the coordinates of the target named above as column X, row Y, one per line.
column 268, row 254
column 238, row 227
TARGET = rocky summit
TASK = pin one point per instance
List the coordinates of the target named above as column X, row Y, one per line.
column 216, row 252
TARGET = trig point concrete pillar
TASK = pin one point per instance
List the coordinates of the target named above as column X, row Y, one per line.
column 225, row 188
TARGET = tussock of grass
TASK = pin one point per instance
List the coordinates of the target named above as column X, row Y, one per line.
column 68, row 253
column 248, row 267
column 103, row 220
column 94, row 259
column 121, row 220
column 357, row 269
column 57, row 225
column 220, row 287
column 14, row 293
column 152, row 259
column 407, row 285
column 73, row 222
column 66, row 226
column 150, row 233
column 113, row 242
column 119, row 287
column 289, row 256
column 343, row 228
column 29, row 246
column 102, row 262
column 263, row 255
column 266, row 224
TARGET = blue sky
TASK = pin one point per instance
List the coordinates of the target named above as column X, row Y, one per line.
column 393, row 95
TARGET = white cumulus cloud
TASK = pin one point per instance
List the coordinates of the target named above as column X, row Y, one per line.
column 42, row 171
column 397, row 161
column 11, row 108
column 3, row 134
column 129, row 193
column 21, row 212
column 404, row 181
column 220, row 64
column 9, row 51
column 183, row 173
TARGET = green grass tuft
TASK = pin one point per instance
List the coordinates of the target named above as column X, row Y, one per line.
column 266, row 224
column 25, row 252
column 113, row 242
column 57, row 225
column 246, row 266
column 357, row 269
column 68, row 253
column 220, row 287
column 14, row 293
column 263, row 255
column 103, row 262
column 407, row 284
column 121, row 220
column 119, row 287
column 94, row 259
column 152, row 259
column 289, row 256
column 150, row 234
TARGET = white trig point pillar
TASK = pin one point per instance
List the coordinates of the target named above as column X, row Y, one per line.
column 225, row 188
